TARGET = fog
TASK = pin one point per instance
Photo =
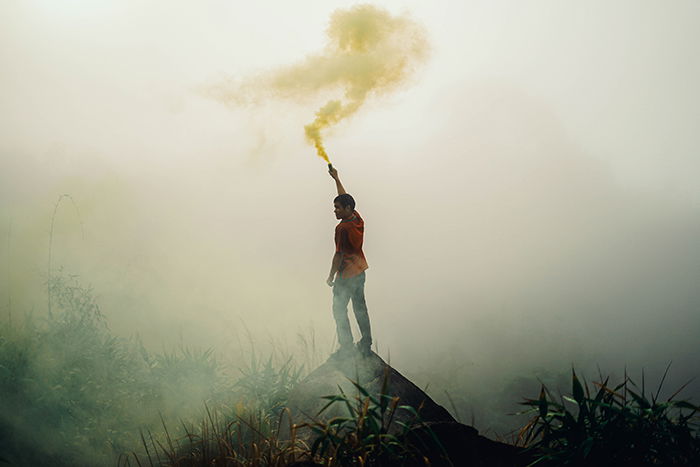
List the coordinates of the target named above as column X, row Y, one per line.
column 530, row 193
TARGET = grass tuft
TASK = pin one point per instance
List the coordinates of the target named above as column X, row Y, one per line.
column 615, row 425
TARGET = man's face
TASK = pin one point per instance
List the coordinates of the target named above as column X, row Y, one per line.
column 342, row 212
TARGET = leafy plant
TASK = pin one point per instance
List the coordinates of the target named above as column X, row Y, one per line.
column 266, row 387
column 71, row 393
column 241, row 434
column 243, row 441
column 249, row 436
column 365, row 436
column 618, row 425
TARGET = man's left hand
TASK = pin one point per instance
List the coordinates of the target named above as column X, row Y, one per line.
column 329, row 281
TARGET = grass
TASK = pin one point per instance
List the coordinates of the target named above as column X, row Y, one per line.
column 72, row 394
column 251, row 436
column 615, row 425
column 246, row 440
column 365, row 436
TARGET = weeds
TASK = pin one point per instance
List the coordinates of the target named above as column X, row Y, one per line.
column 370, row 434
column 617, row 425
column 244, row 434
column 265, row 387
column 366, row 437
column 244, row 441
column 73, row 394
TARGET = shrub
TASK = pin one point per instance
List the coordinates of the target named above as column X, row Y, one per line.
column 365, row 436
column 71, row 393
column 618, row 425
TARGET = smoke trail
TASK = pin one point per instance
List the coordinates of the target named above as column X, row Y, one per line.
column 368, row 52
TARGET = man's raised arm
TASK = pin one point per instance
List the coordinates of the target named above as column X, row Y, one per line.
column 338, row 184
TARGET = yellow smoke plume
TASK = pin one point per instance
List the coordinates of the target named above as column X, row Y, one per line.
column 368, row 52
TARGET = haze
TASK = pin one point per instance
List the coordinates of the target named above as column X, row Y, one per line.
column 530, row 195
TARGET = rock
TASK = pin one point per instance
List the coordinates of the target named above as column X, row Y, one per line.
column 459, row 444
column 372, row 373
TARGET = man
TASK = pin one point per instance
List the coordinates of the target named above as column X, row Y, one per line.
column 347, row 276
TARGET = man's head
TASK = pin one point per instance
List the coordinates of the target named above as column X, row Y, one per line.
column 344, row 205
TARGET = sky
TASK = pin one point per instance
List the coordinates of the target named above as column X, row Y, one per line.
column 530, row 192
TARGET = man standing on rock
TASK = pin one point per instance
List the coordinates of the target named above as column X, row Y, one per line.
column 347, row 276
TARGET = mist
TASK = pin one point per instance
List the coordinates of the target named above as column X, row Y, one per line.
column 530, row 195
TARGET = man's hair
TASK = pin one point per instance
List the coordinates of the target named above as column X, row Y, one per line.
column 345, row 200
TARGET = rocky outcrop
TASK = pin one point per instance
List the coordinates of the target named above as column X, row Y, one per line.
column 459, row 444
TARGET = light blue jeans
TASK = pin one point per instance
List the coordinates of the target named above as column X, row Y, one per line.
column 344, row 290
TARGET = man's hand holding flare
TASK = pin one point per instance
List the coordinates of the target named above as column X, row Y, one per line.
column 334, row 175
column 335, row 266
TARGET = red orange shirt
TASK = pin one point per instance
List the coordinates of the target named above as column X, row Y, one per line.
column 348, row 241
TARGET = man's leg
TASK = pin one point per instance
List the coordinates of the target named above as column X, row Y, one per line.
column 359, row 307
column 341, row 297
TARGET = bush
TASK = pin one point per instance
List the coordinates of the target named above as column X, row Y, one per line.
column 619, row 426
column 242, row 434
column 73, row 394
column 367, row 435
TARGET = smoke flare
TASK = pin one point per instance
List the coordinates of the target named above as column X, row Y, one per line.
column 368, row 52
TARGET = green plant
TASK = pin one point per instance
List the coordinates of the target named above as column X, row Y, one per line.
column 618, row 425
column 365, row 436
column 266, row 387
column 71, row 393
column 240, row 442
column 249, row 436
column 241, row 433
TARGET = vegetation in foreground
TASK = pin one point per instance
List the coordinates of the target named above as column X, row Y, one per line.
column 616, row 425
column 361, row 438
column 73, row 394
